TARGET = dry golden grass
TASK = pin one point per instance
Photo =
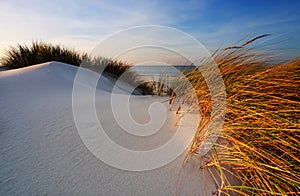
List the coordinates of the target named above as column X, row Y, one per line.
column 261, row 127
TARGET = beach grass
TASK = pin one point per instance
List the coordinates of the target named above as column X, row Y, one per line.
column 261, row 126
column 39, row 52
column 42, row 52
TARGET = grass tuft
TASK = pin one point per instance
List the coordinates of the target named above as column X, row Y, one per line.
column 41, row 52
column 262, row 123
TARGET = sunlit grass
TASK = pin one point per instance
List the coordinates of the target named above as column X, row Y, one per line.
column 262, row 123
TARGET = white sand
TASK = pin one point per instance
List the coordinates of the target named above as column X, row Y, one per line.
column 41, row 152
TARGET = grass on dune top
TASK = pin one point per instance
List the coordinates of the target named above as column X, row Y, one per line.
column 41, row 52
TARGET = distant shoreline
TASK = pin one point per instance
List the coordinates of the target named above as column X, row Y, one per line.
column 157, row 70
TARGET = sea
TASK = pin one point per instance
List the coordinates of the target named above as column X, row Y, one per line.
column 164, row 74
column 158, row 70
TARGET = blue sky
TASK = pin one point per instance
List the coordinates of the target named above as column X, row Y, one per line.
column 215, row 23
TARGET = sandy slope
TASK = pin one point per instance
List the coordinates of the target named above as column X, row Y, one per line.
column 41, row 151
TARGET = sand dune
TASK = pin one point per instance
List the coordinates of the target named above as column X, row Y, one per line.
column 41, row 151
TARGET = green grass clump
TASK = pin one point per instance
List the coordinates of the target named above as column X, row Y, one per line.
column 40, row 52
column 262, row 123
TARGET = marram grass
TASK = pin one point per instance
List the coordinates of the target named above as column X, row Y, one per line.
column 39, row 52
column 42, row 52
column 261, row 128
